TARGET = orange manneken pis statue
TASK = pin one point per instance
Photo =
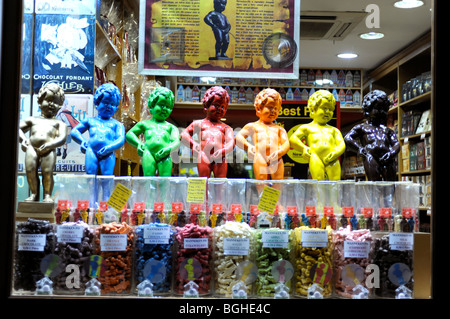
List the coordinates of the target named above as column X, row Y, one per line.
column 320, row 144
column 269, row 140
column 216, row 139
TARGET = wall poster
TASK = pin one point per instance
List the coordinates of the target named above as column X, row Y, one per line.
column 238, row 38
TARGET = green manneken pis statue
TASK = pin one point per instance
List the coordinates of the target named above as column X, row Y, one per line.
column 161, row 137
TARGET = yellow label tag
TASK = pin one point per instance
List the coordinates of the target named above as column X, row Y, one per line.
column 196, row 190
column 119, row 197
column 268, row 200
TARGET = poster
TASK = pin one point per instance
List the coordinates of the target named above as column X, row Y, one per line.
column 64, row 52
column 76, row 108
column 291, row 116
column 238, row 38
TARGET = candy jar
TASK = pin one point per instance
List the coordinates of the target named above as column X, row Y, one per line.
column 365, row 204
column 236, row 207
column 217, row 201
column 272, row 258
column 290, row 193
column 351, row 258
column 309, row 204
column 253, row 190
column 393, row 253
column 312, row 259
column 385, row 204
column 158, row 210
column 407, row 203
column 35, row 240
column 114, row 244
column 154, row 256
column 329, row 203
column 193, row 258
column 74, row 245
column 177, row 198
column 232, row 249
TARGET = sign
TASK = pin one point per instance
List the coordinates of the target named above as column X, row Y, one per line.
column 238, row 38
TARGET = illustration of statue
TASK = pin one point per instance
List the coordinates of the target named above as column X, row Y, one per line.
column 106, row 134
column 221, row 28
column 46, row 134
column 319, row 143
column 373, row 140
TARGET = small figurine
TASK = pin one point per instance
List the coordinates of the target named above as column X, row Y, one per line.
column 105, row 133
column 320, row 144
column 46, row 134
column 373, row 140
column 270, row 140
column 220, row 26
column 216, row 139
column 161, row 137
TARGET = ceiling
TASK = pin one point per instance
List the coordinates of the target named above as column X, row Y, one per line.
column 400, row 27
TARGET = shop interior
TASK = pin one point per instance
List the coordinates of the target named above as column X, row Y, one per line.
column 389, row 47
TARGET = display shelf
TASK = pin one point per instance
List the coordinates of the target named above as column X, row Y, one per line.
column 411, row 63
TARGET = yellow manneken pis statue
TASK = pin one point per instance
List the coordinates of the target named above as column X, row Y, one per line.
column 319, row 143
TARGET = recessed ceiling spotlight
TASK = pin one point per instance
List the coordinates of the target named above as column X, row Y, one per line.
column 371, row 35
column 408, row 4
column 347, row 55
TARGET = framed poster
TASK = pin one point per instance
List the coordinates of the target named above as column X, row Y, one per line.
column 236, row 38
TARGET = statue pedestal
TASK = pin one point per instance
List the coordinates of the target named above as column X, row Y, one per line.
column 36, row 210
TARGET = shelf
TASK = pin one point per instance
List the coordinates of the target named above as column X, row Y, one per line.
column 109, row 54
column 416, row 136
column 417, row 100
column 417, row 172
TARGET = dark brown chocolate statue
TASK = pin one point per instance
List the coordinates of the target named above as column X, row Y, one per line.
column 373, row 140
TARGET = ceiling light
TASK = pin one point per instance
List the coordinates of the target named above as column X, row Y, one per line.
column 408, row 4
column 347, row 55
column 371, row 35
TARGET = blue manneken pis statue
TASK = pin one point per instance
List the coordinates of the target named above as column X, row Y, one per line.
column 106, row 134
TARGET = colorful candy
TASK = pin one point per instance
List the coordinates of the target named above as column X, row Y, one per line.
column 351, row 257
column 193, row 257
column 114, row 243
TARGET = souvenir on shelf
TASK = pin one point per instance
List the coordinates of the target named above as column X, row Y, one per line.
column 215, row 138
column 376, row 143
column 46, row 133
column 269, row 141
column 106, row 134
column 319, row 143
column 161, row 137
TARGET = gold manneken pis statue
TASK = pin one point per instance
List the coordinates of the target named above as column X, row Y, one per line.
column 46, row 134
column 270, row 140
column 319, row 143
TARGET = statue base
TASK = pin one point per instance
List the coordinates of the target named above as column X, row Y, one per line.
column 36, row 210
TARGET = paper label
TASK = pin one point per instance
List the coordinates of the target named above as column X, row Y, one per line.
column 196, row 190
column 236, row 246
column 119, row 197
column 156, row 235
column 113, row 242
column 268, row 200
column 367, row 211
column 32, row 242
column 385, row 212
column 70, row 233
column 275, row 239
column 356, row 249
column 310, row 211
column 401, row 241
column 314, row 238
column 195, row 243
column 348, row 211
